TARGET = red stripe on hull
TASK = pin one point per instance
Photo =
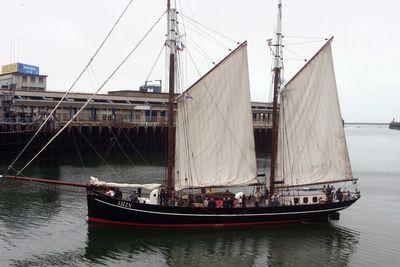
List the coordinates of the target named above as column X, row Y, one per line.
column 191, row 226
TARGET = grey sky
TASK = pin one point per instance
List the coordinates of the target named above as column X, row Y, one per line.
column 60, row 36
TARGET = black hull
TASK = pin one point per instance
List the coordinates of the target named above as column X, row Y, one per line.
column 104, row 209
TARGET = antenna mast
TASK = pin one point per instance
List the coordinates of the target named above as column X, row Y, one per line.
column 276, row 84
column 171, row 43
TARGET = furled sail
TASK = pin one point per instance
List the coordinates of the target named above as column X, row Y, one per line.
column 95, row 181
column 214, row 130
column 311, row 141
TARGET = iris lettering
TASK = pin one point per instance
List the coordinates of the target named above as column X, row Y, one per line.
column 124, row 204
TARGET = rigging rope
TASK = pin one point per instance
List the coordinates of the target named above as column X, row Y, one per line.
column 201, row 51
column 118, row 143
column 211, row 38
column 154, row 64
column 95, row 150
column 306, row 37
column 134, row 148
column 111, row 146
column 72, row 86
column 210, row 29
column 294, row 53
column 76, row 147
column 95, row 93
column 302, row 43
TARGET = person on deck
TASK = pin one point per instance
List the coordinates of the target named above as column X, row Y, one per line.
column 134, row 197
column 257, row 197
column 118, row 193
column 244, row 201
column 329, row 194
column 205, row 202
column 236, row 203
column 339, row 194
column 109, row 192
column 266, row 193
column 163, row 197
column 219, row 203
column 212, row 203
column 224, row 203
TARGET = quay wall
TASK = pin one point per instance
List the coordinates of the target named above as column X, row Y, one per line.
column 105, row 141
column 135, row 121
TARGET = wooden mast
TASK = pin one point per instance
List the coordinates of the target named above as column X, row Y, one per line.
column 277, row 80
column 171, row 43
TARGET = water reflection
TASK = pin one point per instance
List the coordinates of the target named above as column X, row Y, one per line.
column 24, row 205
column 298, row 245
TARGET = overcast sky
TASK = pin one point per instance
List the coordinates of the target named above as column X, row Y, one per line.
column 61, row 36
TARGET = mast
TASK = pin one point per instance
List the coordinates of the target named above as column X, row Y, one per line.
column 171, row 43
column 276, row 84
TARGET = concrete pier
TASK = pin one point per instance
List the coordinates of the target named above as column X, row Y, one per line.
column 137, row 120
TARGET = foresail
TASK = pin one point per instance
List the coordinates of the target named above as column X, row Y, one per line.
column 311, row 141
column 214, row 130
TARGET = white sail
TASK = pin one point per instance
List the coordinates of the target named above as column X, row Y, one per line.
column 311, row 141
column 214, row 130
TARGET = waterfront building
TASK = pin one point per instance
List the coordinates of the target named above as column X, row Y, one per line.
column 19, row 76
column 125, row 108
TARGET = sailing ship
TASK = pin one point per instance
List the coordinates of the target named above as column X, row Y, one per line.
column 211, row 145
column 209, row 151
column 395, row 125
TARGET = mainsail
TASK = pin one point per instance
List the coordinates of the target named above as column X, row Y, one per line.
column 311, row 141
column 214, row 130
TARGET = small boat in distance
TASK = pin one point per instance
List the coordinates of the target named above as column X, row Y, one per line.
column 395, row 125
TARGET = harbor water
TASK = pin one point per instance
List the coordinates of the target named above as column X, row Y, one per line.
column 46, row 225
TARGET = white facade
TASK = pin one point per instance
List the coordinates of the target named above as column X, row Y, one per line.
column 18, row 81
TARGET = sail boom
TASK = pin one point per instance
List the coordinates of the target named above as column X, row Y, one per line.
column 44, row 181
column 320, row 183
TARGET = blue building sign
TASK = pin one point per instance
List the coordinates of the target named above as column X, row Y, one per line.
column 28, row 69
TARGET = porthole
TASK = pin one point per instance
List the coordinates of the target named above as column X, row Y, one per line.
column 296, row 200
column 314, row 199
column 305, row 200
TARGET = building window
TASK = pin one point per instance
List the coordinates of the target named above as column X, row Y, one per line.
column 41, row 79
column 305, row 200
column 24, row 79
column 33, row 79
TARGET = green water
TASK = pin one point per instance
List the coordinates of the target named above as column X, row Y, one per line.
column 46, row 225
